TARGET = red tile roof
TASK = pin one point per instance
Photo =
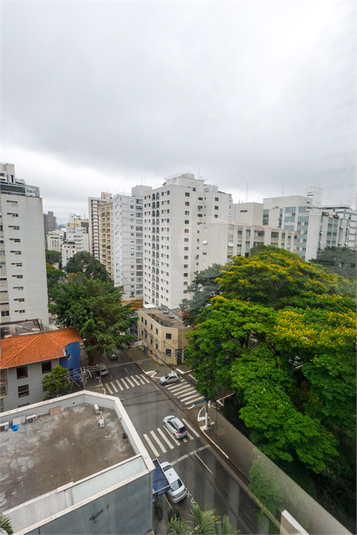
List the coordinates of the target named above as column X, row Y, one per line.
column 27, row 348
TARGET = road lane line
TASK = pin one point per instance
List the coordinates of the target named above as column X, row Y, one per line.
column 181, row 389
column 177, row 386
column 189, row 436
column 121, row 388
column 165, row 439
column 108, row 388
column 205, row 465
column 158, row 441
column 189, row 454
column 156, row 453
column 130, row 383
column 190, row 427
column 124, row 383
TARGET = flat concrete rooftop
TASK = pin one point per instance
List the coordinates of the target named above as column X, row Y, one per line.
column 55, row 450
column 163, row 319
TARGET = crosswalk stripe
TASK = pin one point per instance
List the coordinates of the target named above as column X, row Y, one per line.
column 158, row 441
column 182, row 391
column 177, row 386
column 199, row 397
column 108, row 388
column 130, row 383
column 156, row 453
column 189, row 436
column 165, row 439
column 171, row 436
column 191, row 428
column 121, row 388
column 146, row 379
column 185, row 398
column 124, row 383
column 112, row 384
column 135, row 380
column 140, row 379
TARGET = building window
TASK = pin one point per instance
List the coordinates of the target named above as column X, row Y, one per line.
column 187, row 222
column 168, row 336
column 168, row 352
column 22, row 372
column 216, row 207
column 187, row 194
column 23, row 391
column 185, row 266
column 156, row 331
column 216, row 199
column 186, row 230
column 185, row 274
column 216, row 216
column 5, row 313
column 47, row 367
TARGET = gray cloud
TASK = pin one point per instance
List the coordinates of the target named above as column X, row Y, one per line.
column 107, row 95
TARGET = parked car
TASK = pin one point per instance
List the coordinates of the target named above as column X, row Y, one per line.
column 103, row 370
column 177, row 490
column 113, row 356
column 172, row 377
column 175, row 426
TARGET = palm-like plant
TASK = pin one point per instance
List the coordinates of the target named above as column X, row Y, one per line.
column 5, row 523
column 203, row 523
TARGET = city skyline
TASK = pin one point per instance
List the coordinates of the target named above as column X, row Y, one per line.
column 104, row 97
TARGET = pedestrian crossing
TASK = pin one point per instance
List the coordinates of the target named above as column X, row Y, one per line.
column 124, row 383
column 161, row 440
column 186, row 393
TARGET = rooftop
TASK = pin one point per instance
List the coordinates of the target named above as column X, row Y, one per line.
column 57, row 449
column 35, row 347
column 164, row 317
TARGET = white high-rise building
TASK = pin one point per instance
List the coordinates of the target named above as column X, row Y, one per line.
column 174, row 216
column 23, row 283
column 93, row 215
column 128, row 242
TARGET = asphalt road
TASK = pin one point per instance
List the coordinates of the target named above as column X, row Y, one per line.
column 209, row 480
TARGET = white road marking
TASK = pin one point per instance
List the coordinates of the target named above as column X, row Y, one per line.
column 205, row 465
column 124, row 383
column 191, row 428
column 180, row 390
column 121, row 388
column 140, row 379
column 113, row 386
column 165, row 439
column 108, row 388
column 133, row 379
column 171, row 436
column 177, row 386
column 145, row 379
column 190, row 396
column 189, row 454
column 199, row 398
column 130, row 383
column 158, row 441
column 156, row 453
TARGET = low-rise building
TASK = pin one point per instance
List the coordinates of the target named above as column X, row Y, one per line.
column 69, row 249
column 27, row 358
column 78, row 466
column 163, row 334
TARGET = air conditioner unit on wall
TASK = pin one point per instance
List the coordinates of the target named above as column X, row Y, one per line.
column 4, row 426
column 30, row 419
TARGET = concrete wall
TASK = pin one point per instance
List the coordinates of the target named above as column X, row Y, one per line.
column 34, row 380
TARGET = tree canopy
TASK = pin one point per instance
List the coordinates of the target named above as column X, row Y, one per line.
column 279, row 336
column 85, row 263
column 57, row 383
column 95, row 309
column 340, row 260
column 52, row 257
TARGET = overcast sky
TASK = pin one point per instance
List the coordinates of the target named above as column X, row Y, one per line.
column 101, row 96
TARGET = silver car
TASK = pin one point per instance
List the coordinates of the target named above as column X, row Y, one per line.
column 172, row 377
column 175, row 426
column 177, row 490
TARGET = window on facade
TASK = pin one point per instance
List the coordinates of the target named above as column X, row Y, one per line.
column 216, row 199
column 5, row 313
column 185, row 274
column 185, row 266
column 168, row 352
column 185, row 248
column 187, row 194
column 168, row 336
column 216, row 207
column 186, row 222
column 47, row 367
column 23, row 391
column 186, row 230
column 216, row 216
column 21, row 372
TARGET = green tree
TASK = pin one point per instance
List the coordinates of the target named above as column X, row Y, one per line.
column 5, row 523
column 85, row 263
column 201, row 523
column 203, row 288
column 340, row 260
column 53, row 276
column 95, row 309
column 57, row 383
column 52, row 257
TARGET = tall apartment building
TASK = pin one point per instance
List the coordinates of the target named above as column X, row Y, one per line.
column 348, row 214
column 93, row 215
column 317, row 228
column 106, row 257
column 23, row 284
column 174, row 217
column 221, row 241
column 50, row 224
column 68, row 250
column 128, row 242
column 55, row 240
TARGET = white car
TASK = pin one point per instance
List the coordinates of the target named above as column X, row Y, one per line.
column 175, row 426
column 172, row 377
column 177, row 490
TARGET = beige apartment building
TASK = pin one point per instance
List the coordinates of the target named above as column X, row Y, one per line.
column 163, row 335
column 106, row 249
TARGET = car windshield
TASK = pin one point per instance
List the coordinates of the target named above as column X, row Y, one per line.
column 176, row 485
column 182, row 429
column 167, row 467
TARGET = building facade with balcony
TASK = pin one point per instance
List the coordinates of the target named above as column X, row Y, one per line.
column 23, row 282
column 93, row 217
